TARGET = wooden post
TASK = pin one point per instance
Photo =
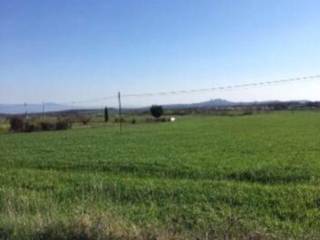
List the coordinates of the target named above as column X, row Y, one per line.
column 120, row 112
column 43, row 110
column 26, row 110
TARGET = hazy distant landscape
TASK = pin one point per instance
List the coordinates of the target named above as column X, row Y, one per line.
column 214, row 103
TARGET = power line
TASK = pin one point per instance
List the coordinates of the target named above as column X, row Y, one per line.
column 222, row 88
column 178, row 92
column 89, row 100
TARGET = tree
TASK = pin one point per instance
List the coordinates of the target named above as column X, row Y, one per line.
column 156, row 111
column 16, row 124
column 84, row 119
column 106, row 114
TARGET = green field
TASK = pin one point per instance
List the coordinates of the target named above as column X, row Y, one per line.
column 202, row 177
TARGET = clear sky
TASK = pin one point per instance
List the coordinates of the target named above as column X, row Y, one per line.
column 58, row 50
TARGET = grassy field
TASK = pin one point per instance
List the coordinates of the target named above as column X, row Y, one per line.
column 249, row 177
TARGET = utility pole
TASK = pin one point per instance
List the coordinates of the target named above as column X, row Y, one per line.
column 26, row 111
column 120, row 112
column 106, row 114
column 43, row 110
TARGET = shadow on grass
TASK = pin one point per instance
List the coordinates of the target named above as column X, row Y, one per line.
column 272, row 175
column 264, row 175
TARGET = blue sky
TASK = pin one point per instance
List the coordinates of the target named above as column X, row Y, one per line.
column 73, row 50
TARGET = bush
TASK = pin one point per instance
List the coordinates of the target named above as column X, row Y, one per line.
column 20, row 125
column 156, row 111
column 117, row 120
column 152, row 120
column 163, row 119
column 16, row 124
column 85, row 120
column 31, row 127
column 63, row 124
column 248, row 112
column 133, row 121
column 47, row 126
column 149, row 120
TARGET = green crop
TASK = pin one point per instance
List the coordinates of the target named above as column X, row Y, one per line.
column 201, row 177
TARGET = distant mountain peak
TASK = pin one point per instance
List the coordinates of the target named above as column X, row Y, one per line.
column 220, row 101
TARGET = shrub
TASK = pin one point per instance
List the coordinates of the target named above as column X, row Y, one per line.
column 63, row 124
column 85, row 120
column 163, row 119
column 16, row 124
column 31, row 127
column 20, row 125
column 157, row 120
column 149, row 120
column 116, row 120
column 47, row 126
column 133, row 121
column 156, row 111
column 248, row 112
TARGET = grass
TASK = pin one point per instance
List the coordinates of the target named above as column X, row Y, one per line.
column 249, row 177
column 4, row 126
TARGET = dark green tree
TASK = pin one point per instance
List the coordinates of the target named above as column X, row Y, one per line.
column 106, row 114
column 156, row 111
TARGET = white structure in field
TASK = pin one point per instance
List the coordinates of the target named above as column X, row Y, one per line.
column 172, row 119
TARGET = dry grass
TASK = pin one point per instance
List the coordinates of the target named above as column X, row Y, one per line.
column 109, row 227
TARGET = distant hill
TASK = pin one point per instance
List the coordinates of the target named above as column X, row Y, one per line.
column 31, row 108
column 211, row 104
column 221, row 103
column 206, row 104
